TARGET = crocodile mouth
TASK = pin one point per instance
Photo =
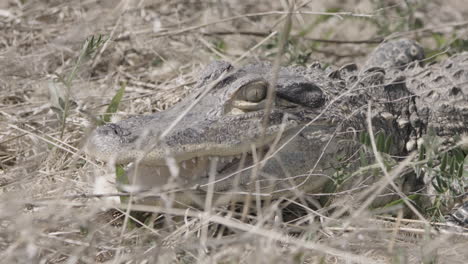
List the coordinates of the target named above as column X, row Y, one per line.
column 195, row 171
column 203, row 167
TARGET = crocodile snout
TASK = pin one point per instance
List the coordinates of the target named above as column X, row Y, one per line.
column 112, row 130
column 106, row 141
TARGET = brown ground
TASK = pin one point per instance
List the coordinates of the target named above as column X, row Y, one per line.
column 157, row 47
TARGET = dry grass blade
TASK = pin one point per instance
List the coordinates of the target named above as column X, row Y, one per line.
column 255, row 230
column 387, row 176
column 57, row 69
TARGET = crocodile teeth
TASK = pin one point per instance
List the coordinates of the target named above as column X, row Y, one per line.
column 402, row 122
column 411, row 145
column 387, row 115
column 420, row 142
column 213, row 158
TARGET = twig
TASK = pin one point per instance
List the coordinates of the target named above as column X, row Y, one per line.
column 270, row 98
column 188, row 29
column 256, row 230
column 395, row 231
column 195, row 102
column 264, row 34
column 427, row 29
column 272, row 34
column 334, row 54
column 402, row 229
column 57, row 143
column 213, row 49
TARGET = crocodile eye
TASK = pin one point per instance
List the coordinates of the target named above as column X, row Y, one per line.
column 254, row 91
column 415, row 51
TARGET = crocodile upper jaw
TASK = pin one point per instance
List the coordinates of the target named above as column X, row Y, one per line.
column 227, row 121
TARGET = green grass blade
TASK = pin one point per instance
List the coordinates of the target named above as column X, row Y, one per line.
column 114, row 104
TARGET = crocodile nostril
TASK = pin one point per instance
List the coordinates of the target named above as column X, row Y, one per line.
column 117, row 130
column 112, row 129
column 454, row 91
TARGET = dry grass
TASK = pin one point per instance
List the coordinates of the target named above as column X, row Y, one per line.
column 157, row 47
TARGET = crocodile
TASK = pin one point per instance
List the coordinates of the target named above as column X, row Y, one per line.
column 249, row 131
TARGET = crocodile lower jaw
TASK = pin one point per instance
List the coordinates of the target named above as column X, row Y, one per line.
column 188, row 172
column 200, row 167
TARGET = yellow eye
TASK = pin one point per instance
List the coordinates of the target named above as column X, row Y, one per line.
column 253, row 92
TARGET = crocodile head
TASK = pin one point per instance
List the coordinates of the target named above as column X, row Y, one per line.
column 224, row 120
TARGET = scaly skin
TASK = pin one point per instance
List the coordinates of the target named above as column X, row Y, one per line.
column 397, row 54
column 316, row 117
